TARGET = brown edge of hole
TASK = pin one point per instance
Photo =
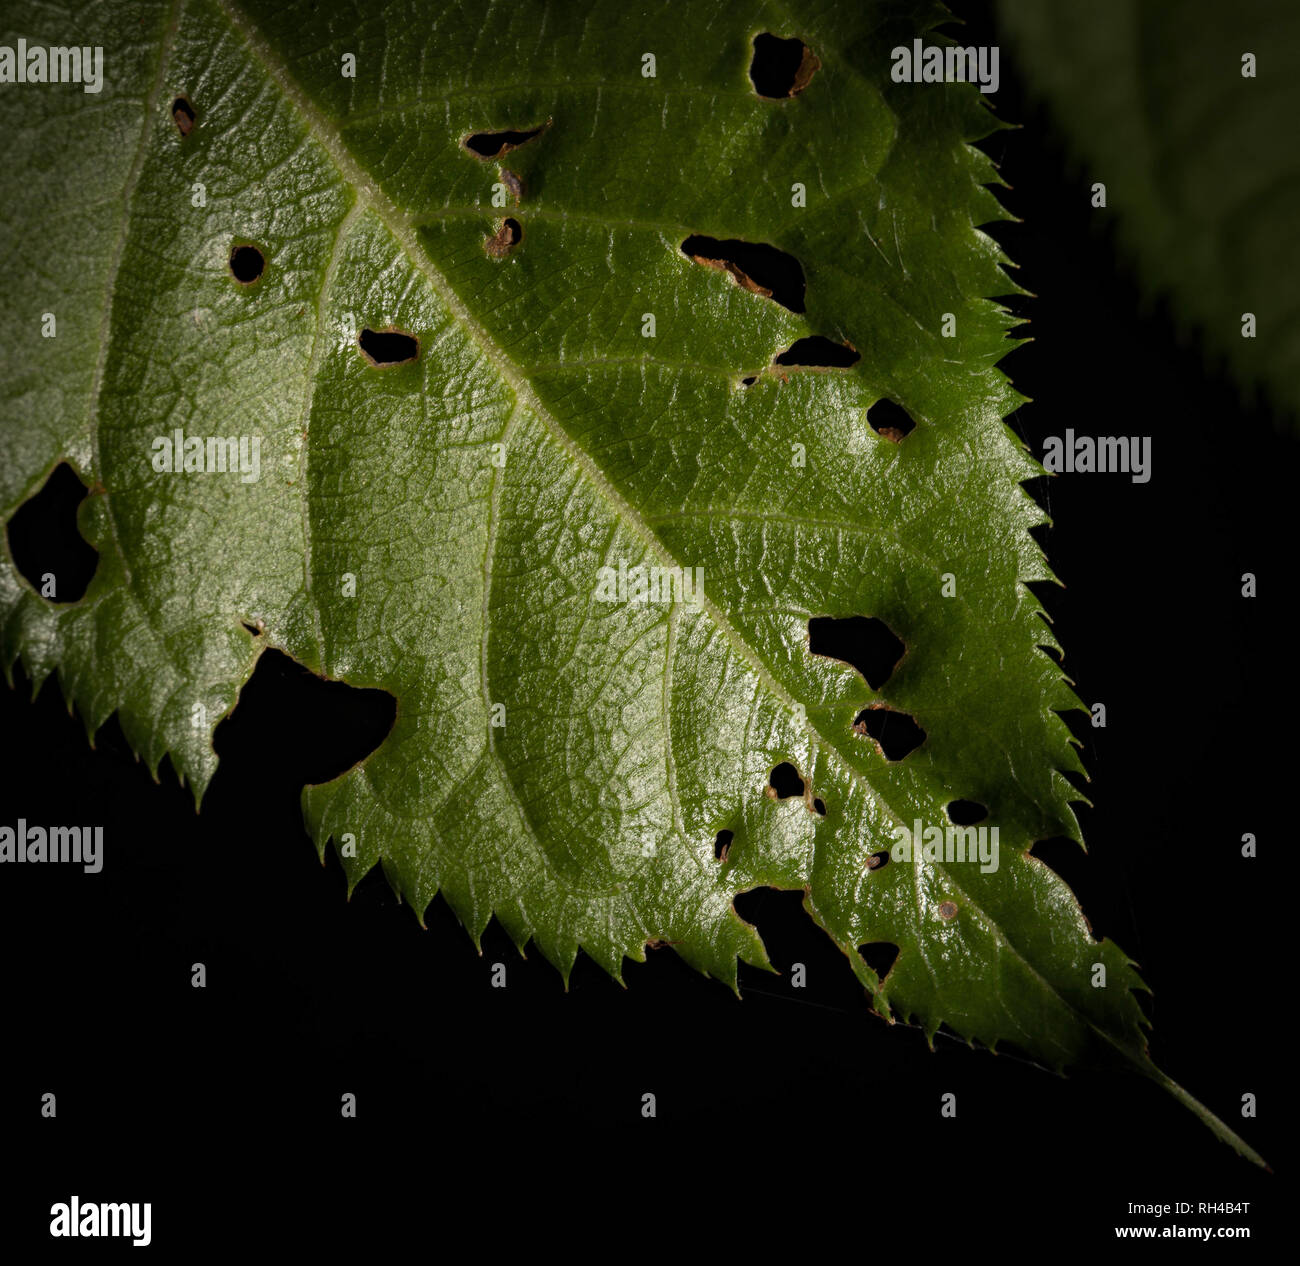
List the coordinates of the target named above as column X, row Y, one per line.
column 528, row 134
column 809, row 65
column 738, row 275
column 508, row 235
column 183, row 115
column 388, row 364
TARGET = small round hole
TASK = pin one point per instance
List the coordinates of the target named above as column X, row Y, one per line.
column 247, row 264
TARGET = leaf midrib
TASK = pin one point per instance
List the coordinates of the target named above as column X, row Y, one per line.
column 401, row 229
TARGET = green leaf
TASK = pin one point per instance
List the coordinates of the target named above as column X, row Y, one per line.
column 1200, row 184
column 438, row 528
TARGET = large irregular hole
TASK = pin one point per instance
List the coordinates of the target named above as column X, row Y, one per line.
column 183, row 116
column 314, row 728
column 966, row 812
column 785, row 781
column 247, row 264
column 895, row 732
column 494, row 144
column 818, row 352
column 756, row 266
column 781, row 68
column 880, row 956
column 504, row 240
column 890, row 420
column 48, row 550
column 383, row 348
column 865, row 643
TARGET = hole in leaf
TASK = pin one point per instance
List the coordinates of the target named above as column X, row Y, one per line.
column 722, row 845
column 966, row 812
column 503, row 241
column 896, row 733
column 785, row 781
column 756, row 266
column 251, row 628
column 890, row 420
column 247, row 264
column 183, row 116
column 818, row 352
column 44, row 542
column 878, row 860
column 748, row 382
column 321, row 728
column 819, row 806
column 383, row 348
column 880, row 956
column 863, row 642
column 781, row 68
column 494, row 144
column 947, row 910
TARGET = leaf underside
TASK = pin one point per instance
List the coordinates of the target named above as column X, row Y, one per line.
column 474, row 493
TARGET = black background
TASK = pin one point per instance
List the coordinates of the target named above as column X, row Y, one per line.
column 223, row 1103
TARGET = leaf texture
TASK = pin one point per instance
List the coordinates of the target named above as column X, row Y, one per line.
column 437, row 528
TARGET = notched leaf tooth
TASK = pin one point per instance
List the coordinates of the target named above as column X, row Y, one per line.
column 505, row 239
column 488, row 145
column 781, row 68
